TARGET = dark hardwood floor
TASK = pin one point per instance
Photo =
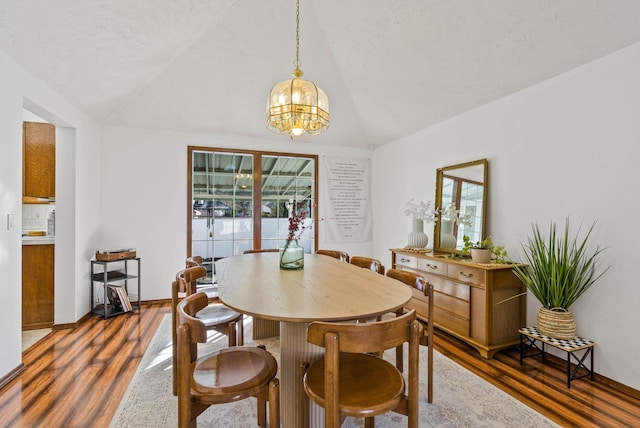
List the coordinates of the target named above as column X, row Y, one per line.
column 77, row 377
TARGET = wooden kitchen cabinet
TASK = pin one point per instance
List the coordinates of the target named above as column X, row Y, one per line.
column 469, row 299
column 37, row 286
column 39, row 160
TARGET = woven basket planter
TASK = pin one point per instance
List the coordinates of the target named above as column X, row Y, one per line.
column 557, row 323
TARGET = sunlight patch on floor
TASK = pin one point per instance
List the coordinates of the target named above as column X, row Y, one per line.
column 30, row 337
column 166, row 354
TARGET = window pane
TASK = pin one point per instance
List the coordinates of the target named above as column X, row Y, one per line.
column 223, row 211
column 223, row 195
column 285, row 178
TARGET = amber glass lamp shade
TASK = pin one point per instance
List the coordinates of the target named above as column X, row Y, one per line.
column 296, row 107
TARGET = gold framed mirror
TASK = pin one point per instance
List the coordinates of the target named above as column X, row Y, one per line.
column 461, row 200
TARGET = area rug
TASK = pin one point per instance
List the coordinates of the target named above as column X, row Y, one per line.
column 461, row 399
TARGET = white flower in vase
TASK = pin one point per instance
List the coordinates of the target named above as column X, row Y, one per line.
column 419, row 212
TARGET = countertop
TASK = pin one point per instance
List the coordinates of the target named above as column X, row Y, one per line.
column 39, row 240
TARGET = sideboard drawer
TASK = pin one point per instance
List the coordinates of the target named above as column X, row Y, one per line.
column 468, row 274
column 445, row 286
column 451, row 304
column 420, row 303
column 407, row 261
column 432, row 266
column 450, row 321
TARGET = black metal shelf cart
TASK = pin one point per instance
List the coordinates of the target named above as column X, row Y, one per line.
column 105, row 277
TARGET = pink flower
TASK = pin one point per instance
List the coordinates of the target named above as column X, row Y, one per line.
column 297, row 215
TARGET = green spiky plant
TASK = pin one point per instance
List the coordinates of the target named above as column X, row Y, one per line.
column 560, row 267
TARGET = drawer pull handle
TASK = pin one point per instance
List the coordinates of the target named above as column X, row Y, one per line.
column 403, row 260
column 464, row 274
column 434, row 267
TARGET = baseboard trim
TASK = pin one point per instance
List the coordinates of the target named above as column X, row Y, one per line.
column 12, row 375
column 155, row 302
column 71, row 325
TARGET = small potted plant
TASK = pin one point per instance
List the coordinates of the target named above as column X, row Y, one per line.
column 482, row 251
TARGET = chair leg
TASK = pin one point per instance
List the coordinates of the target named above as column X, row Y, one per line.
column 399, row 351
column 240, row 332
column 400, row 358
column 430, row 369
column 174, row 336
column 183, row 382
column 370, row 422
column 231, row 334
column 262, row 412
column 305, row 399
column 274, row 403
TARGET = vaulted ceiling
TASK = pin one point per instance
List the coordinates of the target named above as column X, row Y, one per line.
column 389, row 67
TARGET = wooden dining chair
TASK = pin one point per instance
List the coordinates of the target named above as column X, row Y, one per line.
column 194, row 261
column 263, row 328
column 368, row 263
column 350, row 381
column 205, row 284
column 215, row 316
column 224, row 376
column 340, row 255
column 261, row 250
column 420, row 286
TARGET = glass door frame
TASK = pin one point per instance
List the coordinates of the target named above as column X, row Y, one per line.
column 257, row 184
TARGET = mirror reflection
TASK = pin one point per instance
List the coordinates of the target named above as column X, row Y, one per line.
column 461, row 200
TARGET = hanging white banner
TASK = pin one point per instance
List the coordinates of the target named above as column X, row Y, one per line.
column 348, row 212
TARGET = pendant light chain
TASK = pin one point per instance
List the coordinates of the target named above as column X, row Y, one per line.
column 297, row 63
column 297, row 106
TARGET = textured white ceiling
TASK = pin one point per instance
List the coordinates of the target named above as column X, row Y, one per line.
column 389, row 67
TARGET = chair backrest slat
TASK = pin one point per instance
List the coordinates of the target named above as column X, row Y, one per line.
column 364, row 337
column 336, row 254
column 186, row 313
column 411, row 279
column 187, row 278
column 194, row 261
column 368, row 263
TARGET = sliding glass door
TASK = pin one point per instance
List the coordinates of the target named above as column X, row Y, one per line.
column 225, row 187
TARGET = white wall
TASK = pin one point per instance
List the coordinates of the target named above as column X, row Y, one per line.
column 144, row 195
column 78, row 140
column 567, row 147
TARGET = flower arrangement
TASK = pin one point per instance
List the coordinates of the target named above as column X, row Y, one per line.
column 421, row 211
column 453, row 215
column 297, row 215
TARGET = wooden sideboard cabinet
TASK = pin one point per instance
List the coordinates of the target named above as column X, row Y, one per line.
column 469, row 299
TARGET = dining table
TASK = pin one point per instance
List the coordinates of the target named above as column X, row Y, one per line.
column 326, row 289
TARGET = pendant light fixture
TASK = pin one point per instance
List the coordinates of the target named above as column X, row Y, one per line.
column 297, row 106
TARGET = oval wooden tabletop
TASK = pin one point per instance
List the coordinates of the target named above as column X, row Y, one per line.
column 325, row 290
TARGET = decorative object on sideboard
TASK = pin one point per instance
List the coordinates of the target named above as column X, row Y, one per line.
column 483, row 251
column 560, row 269
column 452, row 218
column 419, row 212
column 461, row 199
